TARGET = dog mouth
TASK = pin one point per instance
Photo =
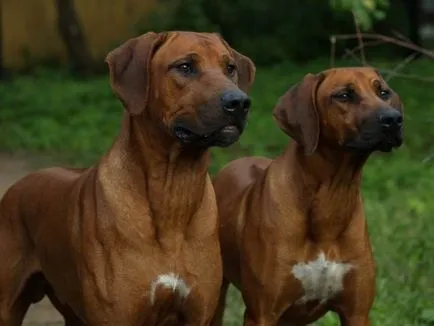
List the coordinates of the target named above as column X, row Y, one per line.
column 389, row 143
column 385, row 147
column 221, row 137
column 183, row 134
column 369, row 143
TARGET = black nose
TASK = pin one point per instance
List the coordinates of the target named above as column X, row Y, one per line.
column 235, row 100
column 390, row 118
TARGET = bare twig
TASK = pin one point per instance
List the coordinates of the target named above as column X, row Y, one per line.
column 407, row 76
column 405, row 62
column 387, row 39
column 401, row 36
column 358, row 48
column 353, row 55
column 377, row 39
column 332, row 51
column 390, row 73
column 360, row 40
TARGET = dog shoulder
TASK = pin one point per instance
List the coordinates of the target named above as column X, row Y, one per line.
column 241, row 172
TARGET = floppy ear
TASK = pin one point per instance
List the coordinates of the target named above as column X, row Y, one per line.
column 129, row 69
column 245, row 67
column 246, row 71
column 296, row 113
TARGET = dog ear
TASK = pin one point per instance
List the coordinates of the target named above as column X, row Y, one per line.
column 246, row 71
column 296, row 113
column 129, row 69
column 245, row 67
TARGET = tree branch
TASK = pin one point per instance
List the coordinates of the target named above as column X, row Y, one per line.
column 387, row 39
column 359, row 39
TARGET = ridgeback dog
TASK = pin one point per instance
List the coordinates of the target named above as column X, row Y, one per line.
column 293, row 233
column 133, row 240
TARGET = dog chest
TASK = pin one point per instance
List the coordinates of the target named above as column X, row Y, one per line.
column 172, row 282
column 321, row 279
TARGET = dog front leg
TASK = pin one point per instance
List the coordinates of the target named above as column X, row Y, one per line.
column 354, row 321
column 355, row 311
column 219, row 314
column 356, row 302
column 262, row 310
column 261, row 320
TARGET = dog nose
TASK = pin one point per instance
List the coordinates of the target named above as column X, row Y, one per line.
column 390, row 118
column 235, row 101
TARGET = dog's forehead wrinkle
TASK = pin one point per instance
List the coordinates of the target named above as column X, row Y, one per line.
column 350, row 86
column 188, row 56
column 195, row 42
column 346, row 75
column 204, row 48
column 379, row 83
column 211, row 57
column 225, row 59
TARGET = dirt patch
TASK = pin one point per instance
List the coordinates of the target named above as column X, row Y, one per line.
column 12, row 168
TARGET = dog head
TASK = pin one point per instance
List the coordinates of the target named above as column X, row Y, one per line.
column 193, row 85
column 352, row 109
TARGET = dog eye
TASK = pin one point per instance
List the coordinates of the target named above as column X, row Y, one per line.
column 344, row 96
column 384, row 94
column 185, row 68
column 231, row 68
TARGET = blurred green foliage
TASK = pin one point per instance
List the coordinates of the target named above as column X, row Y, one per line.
column 365, row 11
column 276, row 30
column 55, row 113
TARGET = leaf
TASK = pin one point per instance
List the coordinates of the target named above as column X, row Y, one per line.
column 369, row 4
column 379, row 15
column 365, row 11
column 363, row 18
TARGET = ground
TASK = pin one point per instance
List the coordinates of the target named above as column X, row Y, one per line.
column 13, row 168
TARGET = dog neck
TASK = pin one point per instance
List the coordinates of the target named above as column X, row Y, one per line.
column 328, row 181
column 159, row 173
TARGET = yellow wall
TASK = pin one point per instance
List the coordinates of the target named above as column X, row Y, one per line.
column 30, row 26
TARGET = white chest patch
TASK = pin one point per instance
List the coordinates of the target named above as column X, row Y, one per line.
column 170, row 281
column 321, row 279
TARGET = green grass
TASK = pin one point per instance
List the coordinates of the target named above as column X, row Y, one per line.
column 77, row 120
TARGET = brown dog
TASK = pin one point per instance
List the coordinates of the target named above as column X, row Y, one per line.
column 293, row 233
column 133, row 240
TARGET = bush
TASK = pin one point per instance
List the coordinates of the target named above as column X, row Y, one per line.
column 268, row 31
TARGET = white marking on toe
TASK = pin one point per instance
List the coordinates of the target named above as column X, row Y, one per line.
column 321, row 279
column 170, row 281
